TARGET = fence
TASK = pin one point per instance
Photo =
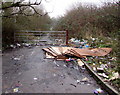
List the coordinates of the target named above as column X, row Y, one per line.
column 38, row 37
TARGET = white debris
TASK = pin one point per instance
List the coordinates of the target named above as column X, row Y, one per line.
column 16, row 89
column 103, row 75
column 100, row 69
column 99, row 90
column 80, row 63
column 35, row 78
column 103, row 66
column 54, row 75
column 88, row 84
column 12, row 46
column 85, row 79
column 64, row 65
column 115, row 76
column 16, row 58
column 72, row 39
column 18, row 44
column 94, row 68
column 78, row 81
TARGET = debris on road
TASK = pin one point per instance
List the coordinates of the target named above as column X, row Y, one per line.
column 85, row 79
column 98, row 91
column 15, row 89
column 73, row 55
column 73, row 85
column 17, row 59
column 78, row 81
column 35, row 78
column 62, row 52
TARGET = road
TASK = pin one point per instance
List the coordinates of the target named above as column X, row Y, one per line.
column 28, row 68
column 29, row 71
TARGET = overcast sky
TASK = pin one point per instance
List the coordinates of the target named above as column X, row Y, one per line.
column 59, row 7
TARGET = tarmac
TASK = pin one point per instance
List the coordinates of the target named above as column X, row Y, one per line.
column 29, row 71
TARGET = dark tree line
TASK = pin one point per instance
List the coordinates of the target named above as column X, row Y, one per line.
column 22, row 16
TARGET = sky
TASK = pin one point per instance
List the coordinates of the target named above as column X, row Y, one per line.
column 58, row 8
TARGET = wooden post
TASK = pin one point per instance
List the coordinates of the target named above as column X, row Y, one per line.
column 66, row 37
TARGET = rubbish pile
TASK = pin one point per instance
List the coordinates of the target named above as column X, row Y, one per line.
column 62, row 53
column 80, row 55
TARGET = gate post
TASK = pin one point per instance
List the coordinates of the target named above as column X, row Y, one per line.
column 66, row 37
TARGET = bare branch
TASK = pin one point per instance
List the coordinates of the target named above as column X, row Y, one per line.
column 20, row 5
column 35, row 10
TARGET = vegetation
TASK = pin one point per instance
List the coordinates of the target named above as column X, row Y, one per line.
column 82, row 22
column 13, row 23
column 101, row 23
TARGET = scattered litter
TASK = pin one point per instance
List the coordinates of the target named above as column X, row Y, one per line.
column 82, row 83
column 103, row 75
column 78, row 81
column 13, row 46
column 103, row 66
column 73, row 85
column 115, row 76
column 19, row 73
column 19, row 45
column 35, row 78
column 76, row 68
column 56, row 64
column 80, row 63
column 85, row 79
column 94, row 68
column 64, row 65
column 88, row 84
column 98, row 91
column 63, row 76
column 17, row 59
column 70, row 59
column 16, row 89
column 100, row 70
column 54, row 75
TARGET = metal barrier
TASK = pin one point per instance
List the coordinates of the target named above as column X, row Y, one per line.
column 38, row 37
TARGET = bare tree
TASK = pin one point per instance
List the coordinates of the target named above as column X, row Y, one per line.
column 19, row 7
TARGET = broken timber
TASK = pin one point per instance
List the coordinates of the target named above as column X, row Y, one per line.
column 62, row 52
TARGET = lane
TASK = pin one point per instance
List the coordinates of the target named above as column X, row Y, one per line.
column 34, row 74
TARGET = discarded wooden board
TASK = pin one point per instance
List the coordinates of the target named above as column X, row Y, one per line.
column 101, row 51
column 58, row 57
column 50, row 52
column 80, row 63
column 90, row 51
column 61, row 52
column 48, row 56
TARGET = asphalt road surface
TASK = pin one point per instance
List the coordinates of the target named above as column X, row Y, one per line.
column 27, row 69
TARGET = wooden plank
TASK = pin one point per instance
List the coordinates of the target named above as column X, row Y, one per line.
column 50, row 52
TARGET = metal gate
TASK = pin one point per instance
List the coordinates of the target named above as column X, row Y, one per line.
column 42, row 37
